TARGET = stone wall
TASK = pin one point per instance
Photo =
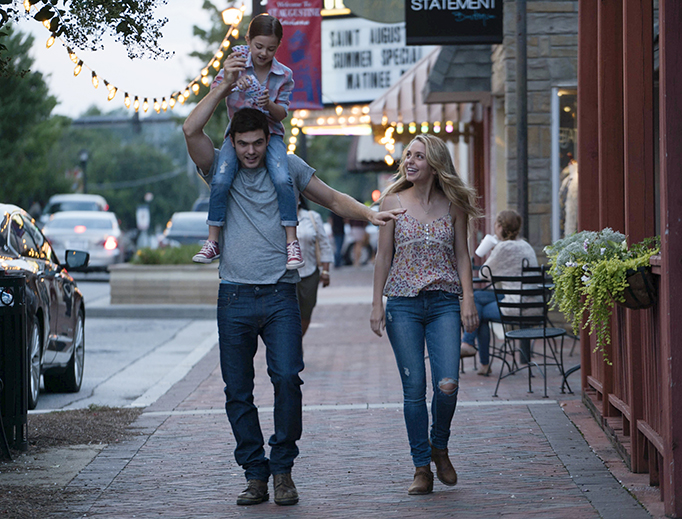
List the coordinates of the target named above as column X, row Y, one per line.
column 552, row 62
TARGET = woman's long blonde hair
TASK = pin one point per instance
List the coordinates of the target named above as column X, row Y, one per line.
column 447, row 179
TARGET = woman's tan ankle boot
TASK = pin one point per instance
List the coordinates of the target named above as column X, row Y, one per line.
column 423, row 481
column 444, row 469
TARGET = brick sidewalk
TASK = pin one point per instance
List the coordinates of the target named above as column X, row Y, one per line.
column 517, row 455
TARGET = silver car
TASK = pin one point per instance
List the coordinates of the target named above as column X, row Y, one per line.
column 73, row 202
column 95, row 232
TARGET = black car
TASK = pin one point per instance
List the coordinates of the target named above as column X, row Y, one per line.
column 55, row 307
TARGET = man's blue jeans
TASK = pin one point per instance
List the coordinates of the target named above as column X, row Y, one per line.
column 244, row 313
column 432, row 317
column 486, row 306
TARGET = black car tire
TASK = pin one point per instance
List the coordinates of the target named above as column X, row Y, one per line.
column 70, row 380
column 34, row 358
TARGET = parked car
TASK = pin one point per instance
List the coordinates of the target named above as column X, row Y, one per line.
column 54, row 304
column 201, row 204
column 72, row 202
column 97, row 233
column 185, row 228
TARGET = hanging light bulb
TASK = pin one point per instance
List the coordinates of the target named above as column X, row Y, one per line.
column 136, row 104
column 164, row 104
column 145, row 105
column 186, row 93
column 172, row 102
column 27, row 5
column 78, row 68
column 235, row 34
column 216, row 64
column 219, row 54
column 226, row 44
column 46, row 24
column 195, row 88
column 182, row 99
column 204, row 72
column 50, row 41
column 72, row 55
column 126, row 100
column 232, row 16
column 112, row 93
column 157, row 106
column 95, row 79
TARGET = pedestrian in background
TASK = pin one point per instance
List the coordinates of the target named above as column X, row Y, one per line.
column 424, row 268
column 317, row 254
column 339, row 233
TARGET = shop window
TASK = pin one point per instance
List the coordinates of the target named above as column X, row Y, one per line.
column 564, row 162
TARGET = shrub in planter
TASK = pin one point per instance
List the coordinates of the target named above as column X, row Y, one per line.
column 165, row 255
column 591, row 272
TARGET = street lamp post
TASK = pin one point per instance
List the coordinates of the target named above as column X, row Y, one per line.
column 83, row 156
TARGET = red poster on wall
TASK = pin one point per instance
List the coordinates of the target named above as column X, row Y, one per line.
column 300, row 48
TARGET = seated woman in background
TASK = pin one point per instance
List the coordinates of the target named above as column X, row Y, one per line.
column 506, row 259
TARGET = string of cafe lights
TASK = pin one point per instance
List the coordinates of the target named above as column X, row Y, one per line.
column 232, row 17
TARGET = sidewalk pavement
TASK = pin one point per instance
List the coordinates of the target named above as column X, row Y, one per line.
column 518, row 455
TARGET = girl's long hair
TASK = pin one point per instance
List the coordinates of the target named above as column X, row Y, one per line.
column 447, row 179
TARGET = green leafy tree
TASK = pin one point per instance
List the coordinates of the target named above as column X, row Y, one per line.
column 82, row 23
column 27, row 130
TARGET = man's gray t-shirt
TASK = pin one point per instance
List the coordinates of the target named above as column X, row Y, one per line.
column 253, row 241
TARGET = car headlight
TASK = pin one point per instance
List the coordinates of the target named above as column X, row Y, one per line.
column 7, row 296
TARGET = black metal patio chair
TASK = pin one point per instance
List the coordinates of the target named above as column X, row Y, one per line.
column 523, row 310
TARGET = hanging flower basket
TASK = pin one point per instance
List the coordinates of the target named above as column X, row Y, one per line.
column 594, row 271
column 641, row 290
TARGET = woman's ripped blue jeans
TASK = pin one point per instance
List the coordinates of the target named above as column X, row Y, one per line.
column 431, row 318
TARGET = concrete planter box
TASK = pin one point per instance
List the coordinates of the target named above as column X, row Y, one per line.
column 164, row 284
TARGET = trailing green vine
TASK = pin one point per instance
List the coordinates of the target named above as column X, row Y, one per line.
column 589, row 270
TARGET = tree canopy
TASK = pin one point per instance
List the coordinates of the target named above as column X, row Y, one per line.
column 82, row 23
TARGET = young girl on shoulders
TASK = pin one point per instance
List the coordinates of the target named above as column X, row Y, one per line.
column 264, row 83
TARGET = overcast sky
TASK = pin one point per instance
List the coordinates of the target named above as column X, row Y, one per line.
column 145, row 78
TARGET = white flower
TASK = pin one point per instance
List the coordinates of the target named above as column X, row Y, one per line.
column 602, row 250
column 585, row 268
column 571, row 264
column 624, row 245
column 586, row 280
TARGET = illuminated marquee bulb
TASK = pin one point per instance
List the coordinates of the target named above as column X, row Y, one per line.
column 136, row 104
column 126, row 100
column 95, row 79
column 157, row 106
column 145, row 105
column 77, row 69
column 50, row 41
column 338, row 109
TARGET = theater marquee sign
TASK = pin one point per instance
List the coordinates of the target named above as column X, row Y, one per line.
column 362, row 58
column 453, row 22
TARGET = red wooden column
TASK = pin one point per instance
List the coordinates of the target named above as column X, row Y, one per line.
column 588, row 145
column 670, row 74
column 610, row 113
column 638, row 72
